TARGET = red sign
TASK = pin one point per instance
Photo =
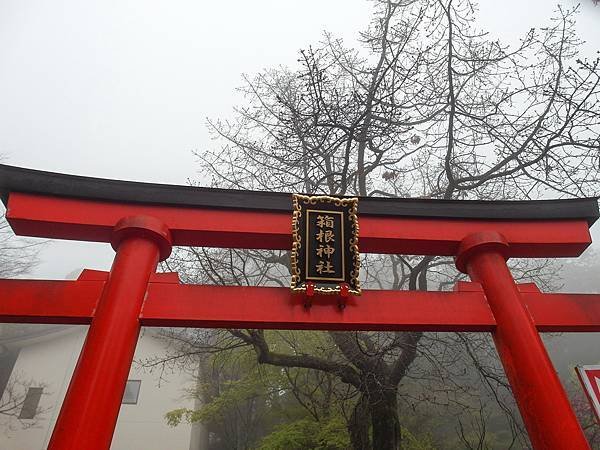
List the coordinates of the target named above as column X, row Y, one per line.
column 590, row 379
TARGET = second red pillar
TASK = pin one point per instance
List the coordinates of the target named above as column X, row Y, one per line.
column 542, row 401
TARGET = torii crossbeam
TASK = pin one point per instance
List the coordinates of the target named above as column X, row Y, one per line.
column 142, row 221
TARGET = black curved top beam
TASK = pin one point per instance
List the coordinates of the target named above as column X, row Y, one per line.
column 18, row 179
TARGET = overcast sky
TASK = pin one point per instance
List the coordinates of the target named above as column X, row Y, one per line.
column 121, row 89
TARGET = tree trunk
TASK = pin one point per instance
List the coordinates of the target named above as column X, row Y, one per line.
column 384, row 419
column 358, row 426
column 199, row 436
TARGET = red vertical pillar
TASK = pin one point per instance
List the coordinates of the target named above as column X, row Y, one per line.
column 544, row 406
column 89, row 412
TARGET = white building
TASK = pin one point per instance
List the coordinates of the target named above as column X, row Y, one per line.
column 36, row 364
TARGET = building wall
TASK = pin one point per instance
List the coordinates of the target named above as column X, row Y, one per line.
column 49, row 362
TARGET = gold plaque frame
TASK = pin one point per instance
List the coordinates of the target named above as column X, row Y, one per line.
column 300, row 286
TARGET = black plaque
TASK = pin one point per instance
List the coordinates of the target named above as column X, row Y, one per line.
column 325, row 248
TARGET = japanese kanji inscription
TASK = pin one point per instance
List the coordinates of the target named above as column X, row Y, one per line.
column 325, row 244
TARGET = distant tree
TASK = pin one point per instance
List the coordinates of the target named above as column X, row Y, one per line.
column 12, row 401
column 429, row 107
column 17, row 256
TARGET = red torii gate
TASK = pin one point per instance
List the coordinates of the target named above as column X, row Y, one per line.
column 142, row 221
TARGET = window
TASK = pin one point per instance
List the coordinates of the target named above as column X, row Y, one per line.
column 31, row 403
column 8, row 358
column 132, row 392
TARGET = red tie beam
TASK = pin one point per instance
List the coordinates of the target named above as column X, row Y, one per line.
column 142, row 221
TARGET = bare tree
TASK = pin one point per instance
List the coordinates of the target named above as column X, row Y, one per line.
column 17, row 256
column 428, row 107
column 13, row 401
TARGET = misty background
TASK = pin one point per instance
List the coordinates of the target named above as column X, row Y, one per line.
column 121, row 89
